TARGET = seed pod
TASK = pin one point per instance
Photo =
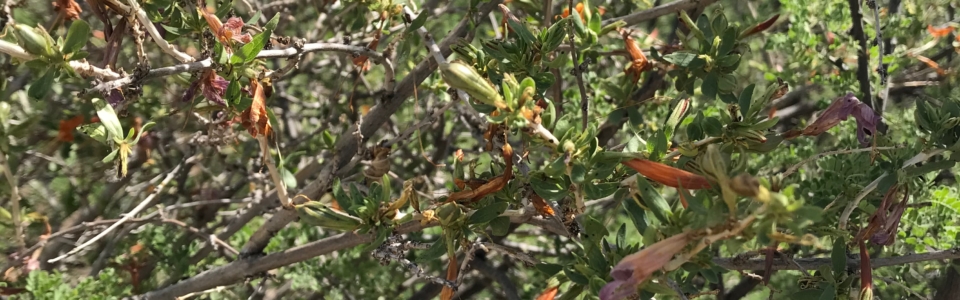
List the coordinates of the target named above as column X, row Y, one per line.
column 317, row 214
column 461, row 76
column 33, row 40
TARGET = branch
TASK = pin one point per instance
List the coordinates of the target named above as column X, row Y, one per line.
column 346, row 148
column 245, row 267
column 656, row 12
column 734, row 263
column 143, row 204
column 81, row 66
column 920, row 157
column 15, row 201
column 152, row 30
column 795, row 167
column 863, row 56
column 282, row 53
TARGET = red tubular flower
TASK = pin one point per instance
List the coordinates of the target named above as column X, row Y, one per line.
column 637, row 268
column 668, row 175
column 840, row 110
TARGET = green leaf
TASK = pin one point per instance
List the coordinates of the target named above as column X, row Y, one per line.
column 108, row 118
column 288, row 179
column 594, row 231
column 681, row 59
column 637, row 214
column 254, row 19
column 838, row 256
column 110, row 157
column 249, row 51
column 728, row 40
column 548, row 189
column 77, row 37
column 712, row 126
column 679, row 112
column 829, row 292
column 654, row 201
column 549, row 269
column 232, row 95
column 575, row 276
column 578, row 173
column 95, row 131
column 488, row 213
column 417, row 23
column 710, row 86
column 660, row 146
column 500, row 226
column 40, row 88
column 746, row 98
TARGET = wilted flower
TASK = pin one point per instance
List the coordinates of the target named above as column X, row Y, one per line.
column 211, row 85
column 637, row 268
column 227, row 32
column 840, row 110
column 68, row 9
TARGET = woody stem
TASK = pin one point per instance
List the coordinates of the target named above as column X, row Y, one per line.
column 274, row 174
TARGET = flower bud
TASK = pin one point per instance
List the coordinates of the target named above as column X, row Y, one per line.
column 317, row 214
column 449, row 213
column 33, row 40
column 461, row 76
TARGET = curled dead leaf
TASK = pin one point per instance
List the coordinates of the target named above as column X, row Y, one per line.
column 255, row 118
column 541, row 205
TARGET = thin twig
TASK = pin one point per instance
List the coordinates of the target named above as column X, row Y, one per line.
column 797, row 166
column 148, row 25
column 584, row 102
column 732, row 263
column 274, row 174
column 14, row 200
column 920, row 157
column 121, row 81
column 656, row 12
column 863, row 55
column 143, row 204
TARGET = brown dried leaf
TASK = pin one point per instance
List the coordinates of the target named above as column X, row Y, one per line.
column 69, row 9
column 255, row 119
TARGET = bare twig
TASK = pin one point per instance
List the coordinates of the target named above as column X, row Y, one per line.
column 121, row 81
column 240, row 269
column 863, row 55
column 797, row 166
column 920, row 157
column 346, row 148
column 852, row 262
column 274, row 174
column 14, row 200
column 656, row 12
column 148, row 25
column 143, row 204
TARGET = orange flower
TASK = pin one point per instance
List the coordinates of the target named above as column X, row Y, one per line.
column 579, row 8
column 66, row 128
column 939, row 32
column 668, row 175
column 639, row 63
column 637, row 268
